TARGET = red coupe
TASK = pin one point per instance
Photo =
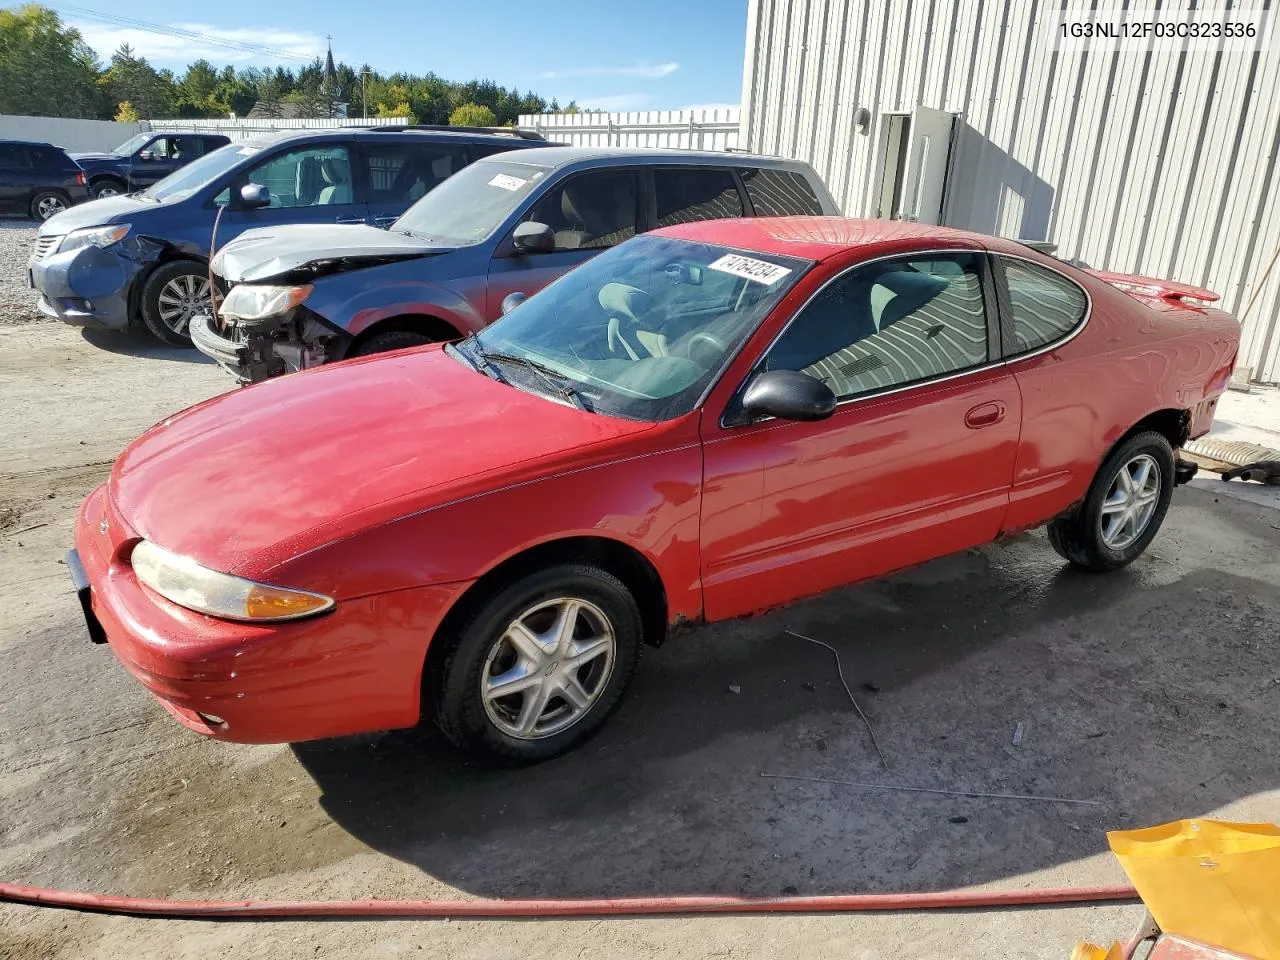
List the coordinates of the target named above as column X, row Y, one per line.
column 706, row 421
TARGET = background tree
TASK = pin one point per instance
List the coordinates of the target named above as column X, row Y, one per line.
column 152, row 93
column 46, row 69
column 126, row 114
column 473, row 115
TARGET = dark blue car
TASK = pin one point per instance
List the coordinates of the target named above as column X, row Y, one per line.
column 144, row 159
column 143, row 257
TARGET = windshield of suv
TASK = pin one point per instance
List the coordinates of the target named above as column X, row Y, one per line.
column 472, row 203
column 185, row 181
column 640, row 331
column 135, row 142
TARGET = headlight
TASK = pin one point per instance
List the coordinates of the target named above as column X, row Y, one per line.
column 248, row 301
column 198, row 588
column 94, row 237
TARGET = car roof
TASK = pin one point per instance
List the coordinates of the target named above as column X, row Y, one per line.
column 373, row 133
column 817, row 238
column 30, row 143
column 560, row 156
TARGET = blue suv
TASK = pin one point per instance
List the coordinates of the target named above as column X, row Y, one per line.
column 143, row 257
column 300, row 297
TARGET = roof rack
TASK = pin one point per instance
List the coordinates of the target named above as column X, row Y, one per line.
column 520, row 132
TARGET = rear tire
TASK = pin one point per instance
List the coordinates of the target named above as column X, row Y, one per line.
column 390, row 340
column 565, row 640
column 48, row 203
column 1123, row 510
column 172, row 295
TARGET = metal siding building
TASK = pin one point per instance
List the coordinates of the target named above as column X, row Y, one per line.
column 1162, row 164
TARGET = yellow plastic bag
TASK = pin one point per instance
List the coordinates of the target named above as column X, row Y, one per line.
column 1215, row 882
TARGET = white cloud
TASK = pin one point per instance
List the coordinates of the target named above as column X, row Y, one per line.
column 620, row 101
column 162, row 48
column 646, row 70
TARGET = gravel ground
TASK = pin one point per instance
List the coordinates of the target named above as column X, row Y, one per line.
column 17, row 301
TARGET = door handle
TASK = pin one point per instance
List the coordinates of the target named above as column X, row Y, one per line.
column 984, row 415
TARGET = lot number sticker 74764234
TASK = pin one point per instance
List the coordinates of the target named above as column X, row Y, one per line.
column 748, row 267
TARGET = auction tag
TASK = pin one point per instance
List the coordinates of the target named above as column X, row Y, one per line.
column 749, row 268
column 507, row 182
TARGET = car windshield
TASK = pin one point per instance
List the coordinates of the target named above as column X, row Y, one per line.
column 135, row 142
column 640, row 331
column 185, row 181
column 472, row 203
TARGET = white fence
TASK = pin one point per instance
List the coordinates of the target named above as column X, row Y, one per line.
column 242, row 129
column 78, row 136
column 685, row 129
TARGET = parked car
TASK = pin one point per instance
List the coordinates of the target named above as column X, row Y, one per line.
column 38, row 179
column 704, row 422
column 143, row 258
column 144, row 159
column 302, row 297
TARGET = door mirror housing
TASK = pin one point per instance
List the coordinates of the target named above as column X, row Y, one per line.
column 254, row 196
column 146, row 156
column 533, row 237
column 788, row 395
column 513, row 300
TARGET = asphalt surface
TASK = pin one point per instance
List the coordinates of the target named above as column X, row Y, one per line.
column 1152, row 691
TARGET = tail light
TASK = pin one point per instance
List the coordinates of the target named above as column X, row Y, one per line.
column 80, row 179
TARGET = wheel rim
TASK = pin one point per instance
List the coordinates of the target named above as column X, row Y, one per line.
column 548, row 668
column 106, row 191
column 49, row 206
column 181, row 299
column 1130, row 502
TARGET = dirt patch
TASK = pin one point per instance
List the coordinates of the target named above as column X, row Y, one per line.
column 10, row 516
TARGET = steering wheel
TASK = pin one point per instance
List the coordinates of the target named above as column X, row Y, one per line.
column 705, row 349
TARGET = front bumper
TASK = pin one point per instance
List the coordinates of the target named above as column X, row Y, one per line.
column 246, row 361
column 356, row 669
column 86, row 287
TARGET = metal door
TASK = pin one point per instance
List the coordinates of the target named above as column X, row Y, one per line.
column 928, row 153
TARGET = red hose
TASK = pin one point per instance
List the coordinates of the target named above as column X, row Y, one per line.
column 621, row 906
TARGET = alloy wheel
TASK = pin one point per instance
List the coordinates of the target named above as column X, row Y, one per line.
column 548, row 668
column 1130, row 502
column 181, row 299
column 106, row 191
column 50, row 206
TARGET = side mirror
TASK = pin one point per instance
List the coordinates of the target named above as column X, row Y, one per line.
column 146, row 155
column 513, row 300
column 788, row 395
column 254, row 196
column 534, row 237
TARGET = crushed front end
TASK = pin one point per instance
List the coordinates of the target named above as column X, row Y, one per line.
column 254, row 348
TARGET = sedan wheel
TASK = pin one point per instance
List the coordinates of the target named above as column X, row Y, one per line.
column 1123, row 509
column 537, row 663
column 548, row 668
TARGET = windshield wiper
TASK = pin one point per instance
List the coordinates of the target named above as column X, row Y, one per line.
column 478, row 362
column 557, row 381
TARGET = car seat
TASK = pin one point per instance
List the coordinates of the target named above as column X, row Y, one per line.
column 337, row 189
column 594, row 215
column 635, row 321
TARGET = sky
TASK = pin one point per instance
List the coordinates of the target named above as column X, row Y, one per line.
column 608, row 54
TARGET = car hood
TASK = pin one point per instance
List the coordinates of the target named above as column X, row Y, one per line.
column 271, row 253
column 95, row 213
column 112, row 157
column 257, row 476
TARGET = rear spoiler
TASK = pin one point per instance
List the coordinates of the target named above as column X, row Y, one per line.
column 1155, row 289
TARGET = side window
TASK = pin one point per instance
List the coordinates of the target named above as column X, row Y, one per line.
column 889, row 324
column 1046, row 307
column 14, row 155
column 684, row 196
column 400, row 172
column 779, row 193
column 590, row 211
column 488, row 149
column 307, row 177
column 161, row 148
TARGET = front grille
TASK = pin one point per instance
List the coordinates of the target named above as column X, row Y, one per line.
column 45, row 246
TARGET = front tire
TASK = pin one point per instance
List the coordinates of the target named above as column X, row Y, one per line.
column 1123, row 510
column 390, row 340
column 538, row 665
column 48, row 203
column 107, row 188
column 173, row 294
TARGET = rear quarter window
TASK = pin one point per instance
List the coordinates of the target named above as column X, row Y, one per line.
column 1045, row 306
column 779, row 193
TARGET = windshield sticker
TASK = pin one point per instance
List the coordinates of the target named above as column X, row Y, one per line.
column 507, row 182
column 750, row 269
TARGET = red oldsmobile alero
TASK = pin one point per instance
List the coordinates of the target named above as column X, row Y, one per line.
column 706, row 421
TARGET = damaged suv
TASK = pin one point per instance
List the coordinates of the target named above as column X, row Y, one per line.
column 506, row 226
